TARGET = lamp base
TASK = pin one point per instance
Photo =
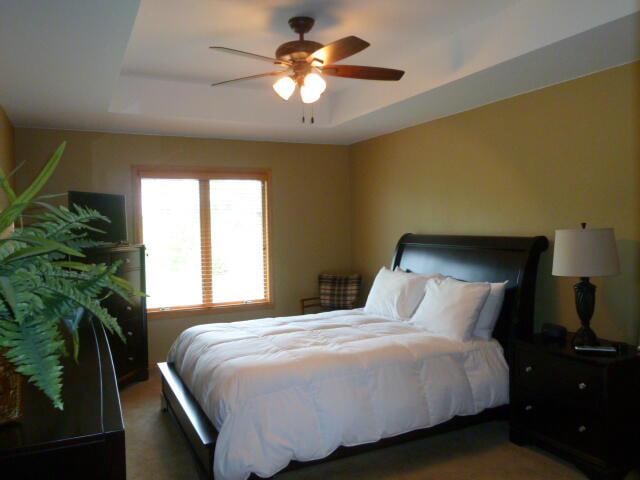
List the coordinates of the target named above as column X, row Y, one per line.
column 585, row 304
column 585, row 337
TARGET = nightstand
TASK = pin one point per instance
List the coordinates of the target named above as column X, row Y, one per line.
column 585, row 409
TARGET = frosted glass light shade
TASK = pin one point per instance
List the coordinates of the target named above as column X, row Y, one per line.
column 285, row 87
column 586, row 252
column 312, row 88
column 308, row 95
column 315, row 82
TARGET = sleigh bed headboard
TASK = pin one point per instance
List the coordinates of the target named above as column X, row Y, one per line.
column 482, row 259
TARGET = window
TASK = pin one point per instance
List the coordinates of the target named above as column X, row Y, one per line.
column 206, row 234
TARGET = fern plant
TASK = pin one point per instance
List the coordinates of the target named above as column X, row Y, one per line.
column 44, row 289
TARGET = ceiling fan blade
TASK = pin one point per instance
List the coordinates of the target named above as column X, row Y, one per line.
column 336, row 51
column 255, row 56
column 260, row 75
column 363, row 73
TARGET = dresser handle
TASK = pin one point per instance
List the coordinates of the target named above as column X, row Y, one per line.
column 130, row 359
column 128, row 307
column 528, row 408
column 582, row 429
column 130, row 333
column 127, row 260
column 528, row 369
column 582, row 385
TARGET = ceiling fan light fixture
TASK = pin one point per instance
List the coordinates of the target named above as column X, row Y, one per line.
column 306, row 63
column 315, row 81
column 312, row 87
column 309, row 95
column 284, row 87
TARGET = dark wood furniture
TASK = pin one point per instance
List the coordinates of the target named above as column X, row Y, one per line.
column 463, row 257
column 86, row 439
column 130, row 359
column 584, row 408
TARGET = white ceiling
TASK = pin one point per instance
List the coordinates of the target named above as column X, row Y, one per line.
column 145, row 67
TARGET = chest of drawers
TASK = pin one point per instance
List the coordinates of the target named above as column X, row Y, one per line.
column 583, row 408
column 130, row 359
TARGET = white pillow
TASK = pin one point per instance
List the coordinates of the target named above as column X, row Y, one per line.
column 395, row 294
column 491, row 311
column 450, row 308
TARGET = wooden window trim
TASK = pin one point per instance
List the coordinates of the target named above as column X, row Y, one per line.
column 193, row 310
column 204, row 174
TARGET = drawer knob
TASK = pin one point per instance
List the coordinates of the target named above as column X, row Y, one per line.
column 528, row 369
column 128, row 307
column 528, row 408
column 130, row 359
column 130, row 333
column 582, row 429
column 582, row 385
column 127, row 260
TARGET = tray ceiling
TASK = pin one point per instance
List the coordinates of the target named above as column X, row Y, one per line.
column 145, row 67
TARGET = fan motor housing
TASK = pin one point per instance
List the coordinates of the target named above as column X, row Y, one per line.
column 301, row 25
column 297, row 50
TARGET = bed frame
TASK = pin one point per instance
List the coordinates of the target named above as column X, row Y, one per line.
column 473, row 259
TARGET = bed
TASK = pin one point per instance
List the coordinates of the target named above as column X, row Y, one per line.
column 246, row 393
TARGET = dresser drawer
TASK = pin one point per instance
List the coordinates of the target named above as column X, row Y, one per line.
column 125, row 311
column 559, row 378
column 128, row 260
column 575, row 428
column 131, row 360
column 133, row 276
column 131, row 332
column 126, row 356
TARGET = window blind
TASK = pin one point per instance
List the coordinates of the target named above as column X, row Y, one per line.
column 206, row 238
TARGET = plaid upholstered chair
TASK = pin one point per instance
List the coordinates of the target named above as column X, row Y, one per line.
column 337, row 292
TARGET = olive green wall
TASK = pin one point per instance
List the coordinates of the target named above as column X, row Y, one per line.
column 310, row 199
column 6, row 148
column 523, row 166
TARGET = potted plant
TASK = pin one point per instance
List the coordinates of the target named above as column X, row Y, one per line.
column 45, row 292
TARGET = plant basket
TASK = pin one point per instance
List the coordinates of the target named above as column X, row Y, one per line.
column 10, row 392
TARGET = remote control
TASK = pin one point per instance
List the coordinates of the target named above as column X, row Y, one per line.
column 595, row 349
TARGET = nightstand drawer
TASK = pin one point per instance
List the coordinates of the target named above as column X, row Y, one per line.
column 578, row 428
column 560, row 379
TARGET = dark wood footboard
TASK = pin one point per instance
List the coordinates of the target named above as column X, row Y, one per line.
column 201, row 434
column 196, row 427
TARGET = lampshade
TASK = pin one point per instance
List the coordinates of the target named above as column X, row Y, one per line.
column 316, row 82
column 585, row 252
column 312, row 88
column 309, row 95
column 284, row 87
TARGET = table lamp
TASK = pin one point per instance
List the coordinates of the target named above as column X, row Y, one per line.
column 585, row 252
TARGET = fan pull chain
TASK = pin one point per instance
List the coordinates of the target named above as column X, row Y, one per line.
column 312, row 120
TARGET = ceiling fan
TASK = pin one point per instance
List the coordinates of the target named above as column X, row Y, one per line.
column 304, row 63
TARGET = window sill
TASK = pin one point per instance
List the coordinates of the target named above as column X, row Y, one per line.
column 208, row 309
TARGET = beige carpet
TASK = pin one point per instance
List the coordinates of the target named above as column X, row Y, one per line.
column 156, row 450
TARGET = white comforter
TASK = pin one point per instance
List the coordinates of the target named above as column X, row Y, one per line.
column 296, row 388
